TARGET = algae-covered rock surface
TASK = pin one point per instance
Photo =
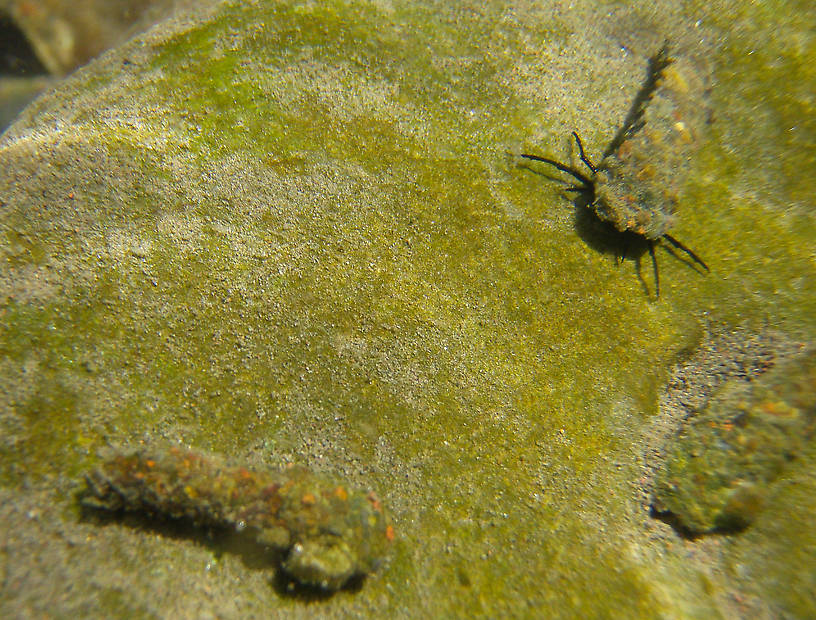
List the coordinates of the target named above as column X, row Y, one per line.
column 291, row 233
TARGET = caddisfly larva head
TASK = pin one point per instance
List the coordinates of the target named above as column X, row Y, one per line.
column 629, row 205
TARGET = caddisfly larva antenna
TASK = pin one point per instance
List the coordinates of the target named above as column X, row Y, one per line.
column 680, row 246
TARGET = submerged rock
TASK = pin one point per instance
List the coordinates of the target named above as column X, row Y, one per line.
column 288, row 231
column 720, row 464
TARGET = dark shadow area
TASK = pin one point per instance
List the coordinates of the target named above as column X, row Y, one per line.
column 601, row 236
column 284, row 585
column 17, row 57
column 683, row 258
column 22, row 75
column 669, row 518
column 221, row 540
column 604, row 238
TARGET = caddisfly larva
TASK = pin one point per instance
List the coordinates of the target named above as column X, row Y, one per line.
column 327, row 532
column 636, row 184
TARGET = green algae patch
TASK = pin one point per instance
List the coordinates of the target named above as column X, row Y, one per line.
column 44, row 374
column 720, row 466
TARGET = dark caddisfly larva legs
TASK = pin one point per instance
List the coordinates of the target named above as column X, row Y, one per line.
column 562, row 167
column 654, row 266
column 680, row 246
column 584, row 158
column 586, row 182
